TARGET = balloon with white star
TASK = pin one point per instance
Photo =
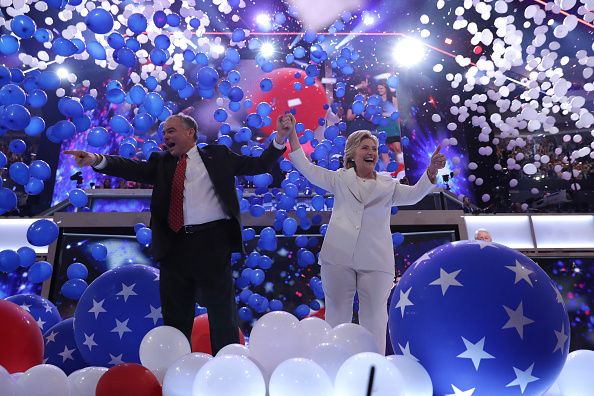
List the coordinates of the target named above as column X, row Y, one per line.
column 60, row 347
column 482, row 319
column 114, row 314
column 43, row 311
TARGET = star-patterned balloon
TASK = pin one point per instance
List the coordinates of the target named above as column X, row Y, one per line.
column 60, row 347
column 114, row 314
column 483, row 319
column 43, row 311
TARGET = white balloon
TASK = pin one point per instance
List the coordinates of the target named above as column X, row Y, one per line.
column 162, row 346
column 436, row 118
column 312, row 331
column 534, row 191
column 472, row 165
column 576, row 377
column 83, row 382
column 6, row 383
column 42, row 380
column 330, row 357
column 160, row 374
column 273, row 339
column 234, row 349
column 179, row 378
column 513, row 183
column 529, row 169
column 297, row 377
column 545, row 159
column 353, row 338
column 485, row 197
column 229, row 375
column 418, row 382
column 353, row 376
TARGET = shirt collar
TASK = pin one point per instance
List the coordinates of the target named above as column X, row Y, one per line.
column 193, row 153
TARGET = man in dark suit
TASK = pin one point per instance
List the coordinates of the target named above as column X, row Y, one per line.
column 195, row 220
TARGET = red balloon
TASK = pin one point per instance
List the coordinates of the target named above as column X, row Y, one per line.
column 21, row 341
column 201, row 335
column 321, row 313
column 308, row 102
column 477, row 50
column 128, row 379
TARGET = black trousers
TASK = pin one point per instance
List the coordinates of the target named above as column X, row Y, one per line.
column 198, row 270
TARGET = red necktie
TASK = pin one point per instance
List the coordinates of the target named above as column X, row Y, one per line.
column 176, row 203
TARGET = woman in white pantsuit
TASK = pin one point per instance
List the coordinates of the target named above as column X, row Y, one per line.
column 357, row 252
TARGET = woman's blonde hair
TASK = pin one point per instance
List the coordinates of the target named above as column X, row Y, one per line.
column 353, row 141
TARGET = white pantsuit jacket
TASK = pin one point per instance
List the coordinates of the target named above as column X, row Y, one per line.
column 359, row 234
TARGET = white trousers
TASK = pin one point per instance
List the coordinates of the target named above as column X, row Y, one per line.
column 341, row 282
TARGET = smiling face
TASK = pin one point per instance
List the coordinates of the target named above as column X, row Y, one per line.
column 381, row 90
column 365, row 157
column 178, row 137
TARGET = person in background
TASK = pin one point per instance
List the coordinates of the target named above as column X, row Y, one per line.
column 483, row 235
column 195, row 220
column 357, row 253
column 390, row 126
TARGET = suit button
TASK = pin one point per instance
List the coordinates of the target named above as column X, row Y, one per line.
column 357, row 227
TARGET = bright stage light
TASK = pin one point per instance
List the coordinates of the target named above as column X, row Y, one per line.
column 62, row 73
column 267, row 50
column 408, row 52
column 263, row 22
column 368, row 19
column 218, row 49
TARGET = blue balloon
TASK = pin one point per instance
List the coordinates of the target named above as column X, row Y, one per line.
column 393, row 82
column 125, row 56
column 301, row 311
column 138, row 226
column 289, row 226
column 61, row 349
column 160, row 19
column 70, row 107
column 220, row 115
column 245, row 314
column 99, row 251
column 99, row 20
column 177, row 81
column 78, row 198
column 173, row 19
column 127, row 150
column 27, row 256
column 43, row 35
column 34, row 186
column 12, row 94
column 98, row 137
column 96, row 50
column 49, row 80
column 64, row 129
column 143, row 122
column 36, row 126
column 276, row 305
column 3, row 159
column 144, row 236
column 120, row 124
column 257, row 277
column 238, row 35
column 153, row 103
column 116, row 311
column 15, row 117
column 9, row 44
column 235, row 94
column 234, row 76
column 473, row 306
column 405, row 141
column 40, row 169
column 397, row 239
column 9, row 261
column 158, row 56
column 73, row 288
column 42, row 232
column 43, row 311
column 17, row 146
column 77, row 271
column 8, row 200
column 137, row 23
column 19, row 173
column 248, row 234
column 299, row 52
column 207, row 77
column 253, row 120
column 257, row 210
column 266, row 84
column 64, row 47
column 162, row 42
column 358, row 107
column 37, row 98
column 40, row 272
column 263, row 109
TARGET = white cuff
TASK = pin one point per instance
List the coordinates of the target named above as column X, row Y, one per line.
column 278, row 146
column 101, row 164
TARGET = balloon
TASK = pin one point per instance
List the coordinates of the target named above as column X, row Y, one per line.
column 3, row 159
column 16, row 117
column 483, row 318
column 7, row 383
column 40, row 272
column 235, row 94
column 99, row 251
column 207, row 77
column 575, row 378
column 64, row 47
column 312, row 331
column 23, row 26
column 77, row 271
column 353, row 376
column 137, row 23
column 329, row 356
column 353, row 338
column 418, row 382
column 34, row 186
column 73, row 288
column 397, row 239
column 78, row 198
column 61, row 349
column 27, row 256
column 129, row 379
column 83, row 382
column 179, row 378
column 40, row 170
column 144, row 236
column 229, row 375
column 43, row 35
column 96, row 50
column 98, row 137
column 71, row 108
column 298, row 376
column 42, row 232
column 9, row 44
column 115, row 312
column 201, row 335
column 12, row 94
column 9, row 261
column 42, row 310
column 8, row 200
column 162, row 346
column 19, row 173
column 99, row 21
column 21, row 342
column 41, row 380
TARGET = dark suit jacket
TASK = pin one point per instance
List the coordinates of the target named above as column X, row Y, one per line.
column 222, row 165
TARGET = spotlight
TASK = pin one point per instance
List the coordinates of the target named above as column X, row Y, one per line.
column 368, row 19
column 267, row 50
column 408, row 52
column 62, row 73
column 263, row 22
